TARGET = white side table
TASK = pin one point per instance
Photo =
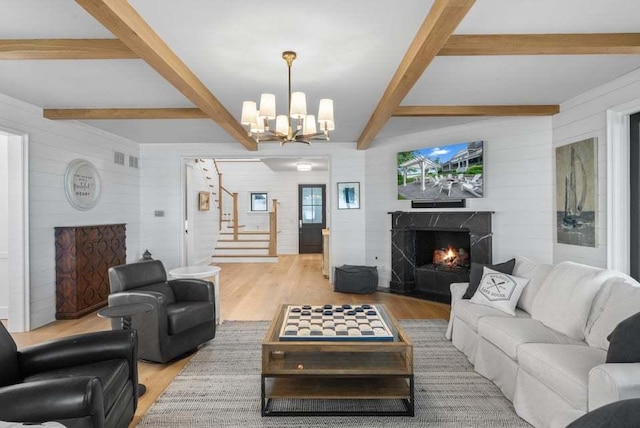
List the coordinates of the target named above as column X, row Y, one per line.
column 202, row 272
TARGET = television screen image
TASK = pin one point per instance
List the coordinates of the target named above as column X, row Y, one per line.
column 443, row 173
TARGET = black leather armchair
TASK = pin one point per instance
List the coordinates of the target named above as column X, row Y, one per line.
column 80, row 381
column 183, row 315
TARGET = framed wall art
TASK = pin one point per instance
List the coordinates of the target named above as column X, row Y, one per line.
column 349, row 196
column 204, row 201
column 576, row 193
column 82, row 184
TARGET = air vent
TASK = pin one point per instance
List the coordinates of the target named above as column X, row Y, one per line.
column 118, row 158
column 133, row 162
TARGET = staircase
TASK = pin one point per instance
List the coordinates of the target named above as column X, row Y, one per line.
column 236, row 245
column 250, row 247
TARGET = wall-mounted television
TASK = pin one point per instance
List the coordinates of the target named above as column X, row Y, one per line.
column 443, row 173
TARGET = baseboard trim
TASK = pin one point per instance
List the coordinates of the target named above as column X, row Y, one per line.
column 4, row 312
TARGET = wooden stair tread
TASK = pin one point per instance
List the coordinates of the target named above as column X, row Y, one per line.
column 242, row 248
column 251, row 232
column 243, row 240
column 242, row 255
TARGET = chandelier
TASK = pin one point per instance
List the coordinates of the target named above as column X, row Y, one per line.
column 257, row 119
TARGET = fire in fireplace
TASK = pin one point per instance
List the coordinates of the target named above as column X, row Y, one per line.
column 451, row 257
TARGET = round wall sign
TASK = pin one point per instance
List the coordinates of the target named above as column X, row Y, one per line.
column 82, row 184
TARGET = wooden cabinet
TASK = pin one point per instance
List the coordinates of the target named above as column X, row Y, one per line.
column 84, row 255
column 326, row 263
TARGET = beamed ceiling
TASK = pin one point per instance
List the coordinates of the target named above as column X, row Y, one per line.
column 163, row 71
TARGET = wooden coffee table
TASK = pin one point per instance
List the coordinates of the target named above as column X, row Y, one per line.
column 337, row 370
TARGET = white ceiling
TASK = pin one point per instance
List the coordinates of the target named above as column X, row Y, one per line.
column 318, row 163
column 347, row 50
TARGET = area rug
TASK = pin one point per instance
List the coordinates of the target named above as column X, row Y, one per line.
column 220, row 387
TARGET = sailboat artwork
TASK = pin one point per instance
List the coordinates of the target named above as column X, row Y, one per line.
column 576, row 193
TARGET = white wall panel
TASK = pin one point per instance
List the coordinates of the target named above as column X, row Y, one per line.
column 160, row 181
column 247, row 177
column 4, row 227
column 517, row 186
column 585, row 117
column 52, row 145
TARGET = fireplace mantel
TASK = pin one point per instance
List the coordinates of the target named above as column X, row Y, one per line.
column 405, row 226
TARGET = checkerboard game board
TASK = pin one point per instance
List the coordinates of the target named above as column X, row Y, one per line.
column 331, row 322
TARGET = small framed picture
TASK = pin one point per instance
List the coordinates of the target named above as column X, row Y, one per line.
column 349, row 196
column 259, row 201
column 204, row 201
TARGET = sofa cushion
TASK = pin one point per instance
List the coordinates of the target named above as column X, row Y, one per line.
column 537, row 273
column 564, row 369
column 507, row 334
column 114, row 375
column 622, row 301
column 564, row 300
column 186, row 315
column 499, row 290
column 471, row 313
column 625, row 346
column 476, row 272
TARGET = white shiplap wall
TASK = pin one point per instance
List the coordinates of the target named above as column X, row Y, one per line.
column 517, row 187
column 161, row 190
column 585, row 117
column 52, row 145
column 4, row 228
column 247, row 177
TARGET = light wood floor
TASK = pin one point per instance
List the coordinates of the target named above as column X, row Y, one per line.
column 247, row 292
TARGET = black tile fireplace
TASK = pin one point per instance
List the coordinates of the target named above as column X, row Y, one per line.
column 430, row 250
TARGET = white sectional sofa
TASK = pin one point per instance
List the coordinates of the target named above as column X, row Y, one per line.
column 549, row 359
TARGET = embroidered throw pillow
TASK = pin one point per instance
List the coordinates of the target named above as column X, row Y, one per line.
column 499, row 290
column 475, row 274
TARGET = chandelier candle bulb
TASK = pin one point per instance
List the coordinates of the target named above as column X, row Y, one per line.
column 325, row 111
column 268, row 106
column 309, row 125
column 249, row 112
column 282, row 124
column 298, row 105
column 257, row 126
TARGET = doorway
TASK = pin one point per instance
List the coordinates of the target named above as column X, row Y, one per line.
column 311, row 217
column 14, row 233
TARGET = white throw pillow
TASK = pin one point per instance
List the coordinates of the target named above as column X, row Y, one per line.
column 499, row 290
column 537, row 273
column 623, row 301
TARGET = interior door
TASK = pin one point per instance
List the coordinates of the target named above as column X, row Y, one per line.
column 311, row 217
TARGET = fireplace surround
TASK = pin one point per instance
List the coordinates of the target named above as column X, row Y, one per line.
column 415, row 236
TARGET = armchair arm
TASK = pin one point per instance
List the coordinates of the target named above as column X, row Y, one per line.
column 613, row 382
column 58, row 399
column 192, row 290
column 154, row 298
column 78, row 350
column 457, row 291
